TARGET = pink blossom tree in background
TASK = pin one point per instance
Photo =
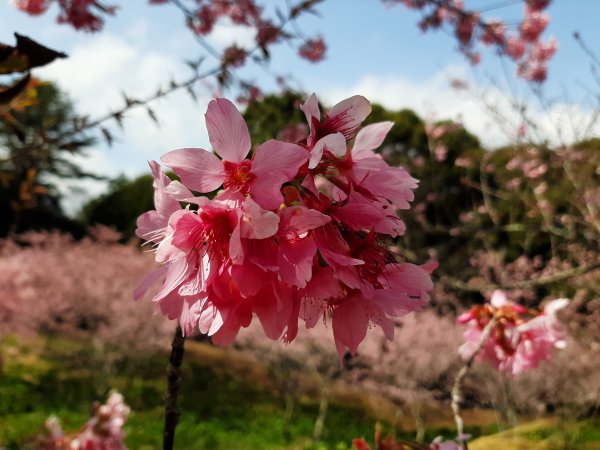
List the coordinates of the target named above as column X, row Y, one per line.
column 523, row 45
column 413, row 373
column 60, row 286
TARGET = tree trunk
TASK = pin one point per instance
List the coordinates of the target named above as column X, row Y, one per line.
column 173, row 385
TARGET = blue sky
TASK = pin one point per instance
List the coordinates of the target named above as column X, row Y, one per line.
column 372, row 50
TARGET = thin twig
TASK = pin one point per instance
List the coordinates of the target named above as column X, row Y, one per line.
column 458, row 285
column 457, row 397
column 173, row 385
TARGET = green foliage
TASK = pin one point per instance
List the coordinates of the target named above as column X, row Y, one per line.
column 37, row 142
column 268, row 116
column 67, row 377
column 121, row 205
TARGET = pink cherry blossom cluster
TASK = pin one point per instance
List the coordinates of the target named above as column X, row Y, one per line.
column 435, row 133
column 521, row 338
column 201, row 18
column 523, row 45
column 104, row 430
column 389, row 443
column 297, row 231
column 81, row 14
column 313, row 49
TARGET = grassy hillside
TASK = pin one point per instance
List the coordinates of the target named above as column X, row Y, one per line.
column 228, row 401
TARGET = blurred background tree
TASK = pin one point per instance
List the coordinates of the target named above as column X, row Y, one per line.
column 37, row 147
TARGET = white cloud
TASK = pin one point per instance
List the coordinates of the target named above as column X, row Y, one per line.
column 95, row 74
column 227, row 33
column 487, row 111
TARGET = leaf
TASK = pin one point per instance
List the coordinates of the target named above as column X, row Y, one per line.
column 223, row 77
column 26, row 55
column 152, row 115
column 265, row 52
column 192, row 93
column 107, row 136
column 306, row 5
column 192, row 65
column 118, row 116
column 280, row 16
column 7, row 95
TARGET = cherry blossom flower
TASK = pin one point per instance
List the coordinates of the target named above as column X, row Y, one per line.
column 313, row 49
column 295, row 232
column 234, row 56
column 104, row 430
column 518, row 342
column 533, row 25
column 273, row 164
column 389, row 443
column 33, row 7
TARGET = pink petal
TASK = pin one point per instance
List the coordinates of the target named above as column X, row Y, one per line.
column 274, row 163
column 171, row 306
column 257, row 223
column 407, row 277
column 348, row 114
column 186, row 228
column 227, row 130
column 225, row 336
column 311, row 109
column 236, row 250
column 555, row 305
column 370, row 137
column 272, row 318
column 295, row 261
column 334, row 143
column 350, row 323
column 190, row 314
column 292, row 325
column 178, row 271
column 498, row 299
column 148, row 280
column 360, row 213
column 178, row 191
column 297, row 220
column 198, row 169
column 248, row 278
column 332, row 246
column 149, row 226
column 210, row 320
column 263, row 253
column 164, row 203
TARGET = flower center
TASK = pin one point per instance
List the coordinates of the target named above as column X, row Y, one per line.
column 216, row 231
column 374, row 256
column 238, row 176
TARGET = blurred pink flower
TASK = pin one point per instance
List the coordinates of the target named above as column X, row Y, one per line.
column 33, row 7
column 313, row 49
column 518, row 342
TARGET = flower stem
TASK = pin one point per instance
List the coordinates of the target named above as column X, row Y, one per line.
column 457, row 397
column 173, row 384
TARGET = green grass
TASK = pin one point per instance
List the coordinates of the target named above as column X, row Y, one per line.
column 224, row 404
column 218, row 409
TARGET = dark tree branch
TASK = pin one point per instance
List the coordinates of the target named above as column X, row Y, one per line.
column 173, row 385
